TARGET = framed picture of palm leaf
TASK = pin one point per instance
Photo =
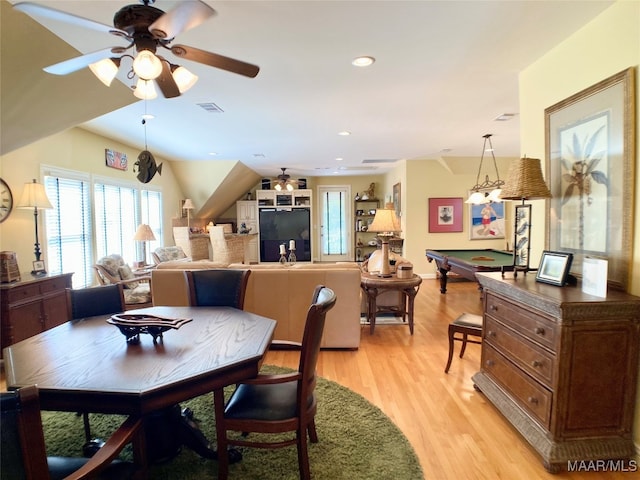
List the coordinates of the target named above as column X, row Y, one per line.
column 590, row 145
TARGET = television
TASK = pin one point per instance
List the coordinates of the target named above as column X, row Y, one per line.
column 281, row 225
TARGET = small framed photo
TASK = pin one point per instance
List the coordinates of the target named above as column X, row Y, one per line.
column 554, row 267
column 38, row 267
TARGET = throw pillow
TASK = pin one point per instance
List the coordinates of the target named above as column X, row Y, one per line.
column 126, row 274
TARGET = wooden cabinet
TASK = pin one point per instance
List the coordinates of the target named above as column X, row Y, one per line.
column 365, row 242
column 247, row 213
column 32, row 306
column 561, row 366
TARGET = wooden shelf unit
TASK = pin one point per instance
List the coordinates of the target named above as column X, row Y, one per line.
column 362, row 220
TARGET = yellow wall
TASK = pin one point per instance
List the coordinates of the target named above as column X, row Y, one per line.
column 77, row 150
column 604, row 47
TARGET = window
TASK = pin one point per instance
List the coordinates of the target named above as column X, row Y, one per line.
column 74, row 242
column 334, row 223
column 68, row 227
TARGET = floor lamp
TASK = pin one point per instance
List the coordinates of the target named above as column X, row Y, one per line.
column 524, row 182
column 34, row 196
column 385, row 224
column 144, row 234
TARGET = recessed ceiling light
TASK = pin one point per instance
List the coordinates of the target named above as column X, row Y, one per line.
column 213, row 153
column 147, row 116
column 339, row 159
column 363, row 61
column 344, row 133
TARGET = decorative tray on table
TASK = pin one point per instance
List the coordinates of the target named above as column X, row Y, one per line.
column 132, row 325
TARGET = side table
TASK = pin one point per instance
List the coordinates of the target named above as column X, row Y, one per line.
column 372, row 286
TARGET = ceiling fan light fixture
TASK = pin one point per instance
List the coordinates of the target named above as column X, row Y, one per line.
column 183, row 78
column 289, row 187
column 146, row 65
column 106, row 69
column 145, row 90
column 277, row 187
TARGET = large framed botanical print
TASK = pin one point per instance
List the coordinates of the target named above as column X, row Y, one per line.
column 590, row 146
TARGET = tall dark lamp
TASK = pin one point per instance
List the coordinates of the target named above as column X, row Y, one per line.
column 34, row 196
column 385, row 224
column 524, row 182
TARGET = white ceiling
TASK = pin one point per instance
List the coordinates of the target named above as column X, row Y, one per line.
column 444, row 71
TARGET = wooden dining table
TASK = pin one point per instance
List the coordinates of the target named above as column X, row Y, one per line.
column 87, row 365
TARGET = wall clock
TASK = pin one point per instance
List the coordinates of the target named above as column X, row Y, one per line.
column 6, row 200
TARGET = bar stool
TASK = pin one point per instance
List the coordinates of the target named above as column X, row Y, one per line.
column 466, row 324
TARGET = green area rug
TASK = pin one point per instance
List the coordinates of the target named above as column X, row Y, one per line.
column 357, row 441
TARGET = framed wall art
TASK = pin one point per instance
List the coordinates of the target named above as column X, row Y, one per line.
column 445, row 215
column 486, row 220
column 590, row 140
column 115, row 159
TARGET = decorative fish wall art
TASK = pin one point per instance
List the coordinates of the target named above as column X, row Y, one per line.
column 146, row 166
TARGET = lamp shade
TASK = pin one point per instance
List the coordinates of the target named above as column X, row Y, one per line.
column 525, row 181
column 34, row 196
column 144, row 233
column 188, row 204
column 385, row 220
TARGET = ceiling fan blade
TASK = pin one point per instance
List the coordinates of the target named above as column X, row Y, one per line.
column 74, row 64
column 215, row 60
column 166, row 83
column 186, row 15
column 35, row 10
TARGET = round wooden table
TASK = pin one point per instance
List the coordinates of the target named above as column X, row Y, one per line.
column 372, row 285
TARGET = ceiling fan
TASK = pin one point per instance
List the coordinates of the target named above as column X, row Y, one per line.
column 147, row 29
column 284, row 181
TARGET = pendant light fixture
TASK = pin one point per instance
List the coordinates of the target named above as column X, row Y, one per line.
column 477, row 196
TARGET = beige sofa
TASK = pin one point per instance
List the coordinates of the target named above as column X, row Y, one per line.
column 281, row 293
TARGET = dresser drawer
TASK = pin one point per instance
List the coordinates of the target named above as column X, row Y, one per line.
column 20, row 294
column 54, row 284
column 533, row 397
column 529, row 324
column 524, row 353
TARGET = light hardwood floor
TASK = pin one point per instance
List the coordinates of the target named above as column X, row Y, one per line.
column 455, row 432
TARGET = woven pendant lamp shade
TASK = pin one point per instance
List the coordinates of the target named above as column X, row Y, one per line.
column 525, row 181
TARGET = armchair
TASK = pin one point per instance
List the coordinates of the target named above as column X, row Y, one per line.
column 112, row 270
column 169, row 254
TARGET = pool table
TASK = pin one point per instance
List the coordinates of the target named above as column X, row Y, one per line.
column 468, row 262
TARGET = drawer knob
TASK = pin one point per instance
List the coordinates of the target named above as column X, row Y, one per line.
column 536, row 363
column 489, row 363
column 533, row 400
column 491, row 333
column 493, row 308
column 539, row 331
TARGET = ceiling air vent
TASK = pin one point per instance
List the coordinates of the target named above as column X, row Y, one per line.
column 379, row 160
column 211, row 107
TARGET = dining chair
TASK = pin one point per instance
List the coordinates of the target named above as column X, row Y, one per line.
column 277, row 403
column 467, row 324
column 223, row 287
column 23, row 453
column 91, row 302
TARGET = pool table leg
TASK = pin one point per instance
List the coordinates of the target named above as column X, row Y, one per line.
column 443, row 279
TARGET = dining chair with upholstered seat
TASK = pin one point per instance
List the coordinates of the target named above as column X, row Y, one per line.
column 23, row 452
column 223, row 287
column 91, row 302
column 277, row 403
column 467, row 325
column 112, row 270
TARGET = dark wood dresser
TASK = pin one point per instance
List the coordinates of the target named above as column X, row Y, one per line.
column 561, row 366
column 32, row 305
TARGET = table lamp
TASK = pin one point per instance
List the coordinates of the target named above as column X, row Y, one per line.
column 188, row 206
column 144, row 234
column 34, row 196
column 385, row 224
column 524, row 182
